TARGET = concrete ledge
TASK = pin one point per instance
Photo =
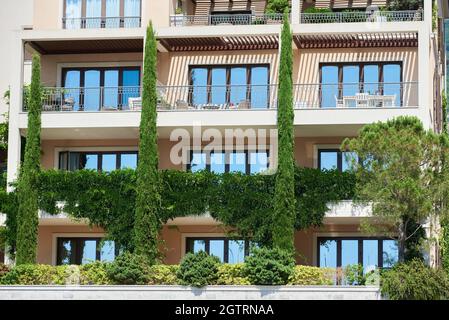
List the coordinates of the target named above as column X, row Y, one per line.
column 187, row 293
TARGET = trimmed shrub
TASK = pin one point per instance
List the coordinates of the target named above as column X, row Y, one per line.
column 353, row 275
column 198, row 269
column 414, row 281
column 128, row 268
column 269, row 266
column 4, row 269
column 94, row 274
column 39, row 274
column 232, row 274
column 163, row 274
column 311, row 276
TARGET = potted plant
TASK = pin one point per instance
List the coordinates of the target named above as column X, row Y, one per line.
column 178, row 18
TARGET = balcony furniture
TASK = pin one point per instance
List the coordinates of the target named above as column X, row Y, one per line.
column 366, row 100
column 109, row 108
column 244, row 105
column 181, row 105
column 47, row 107
column 68, row 104
column 339, row 103
column 135, row 104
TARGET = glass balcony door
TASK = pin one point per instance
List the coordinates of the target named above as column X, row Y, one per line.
column 131, row 13
column 73, row 10
column 93, row 14
column 94, row 89
column 112, row 14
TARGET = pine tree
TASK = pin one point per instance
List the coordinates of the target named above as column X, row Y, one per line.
column 148, row 199
column 27, row 219
column 284, row 199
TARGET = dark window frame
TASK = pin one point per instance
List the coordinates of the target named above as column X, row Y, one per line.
column 228, row 159
column 99, row 155
column 380, row 240
column 102, row 71
column 339, row 157
column 103, row 13
column 361, row 65
column 190, row 241
column 228, row 68
column 76, row 256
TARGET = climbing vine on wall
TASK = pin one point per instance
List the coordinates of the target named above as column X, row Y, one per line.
column 241, row 202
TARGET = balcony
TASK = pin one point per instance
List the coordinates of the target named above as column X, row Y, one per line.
column 226, row 19
column 232, row 97
column 101, row 22
column 362, row 16
column 356, row 95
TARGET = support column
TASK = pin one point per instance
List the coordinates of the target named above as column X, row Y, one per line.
column 296, row 11
column 425, row 68
column 14, row 143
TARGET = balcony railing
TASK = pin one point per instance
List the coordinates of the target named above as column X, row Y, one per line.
column 356, row 95
column 87, row 99
column 225, row 19
column 101, row 22
column 362, row 16
column 231, row 97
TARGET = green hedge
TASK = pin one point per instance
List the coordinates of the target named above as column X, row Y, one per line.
column 97, row 274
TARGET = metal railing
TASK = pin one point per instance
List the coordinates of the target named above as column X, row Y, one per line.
column 232, row 97
column 86, row 99
column 362, row 16
column 226, row 97
column 356, row 95
column 225, row 19
column 101, row 22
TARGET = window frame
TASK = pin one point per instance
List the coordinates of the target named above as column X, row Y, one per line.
column 228, row 68
column 360, row 239
column 190, row 240
column 76, row 254
column 361, row 83
column 227, row 163
column 103, row 12
column 100, row 158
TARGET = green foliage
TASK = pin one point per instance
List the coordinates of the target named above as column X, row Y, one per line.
column 232, row 274
column 36, row 274
column 311, row 276
column 4, row 269
column 198, row 269
column 148, row 199
column 397, row 5
column 415, row 281
column 284, row 194
column 94, row 273
column 403, row 175
column 317, row 10
column 241, row 202
column 161, row 274
column 353, row 275
column 277, row 6
column 444, row 106
column 269, row 266
column 4, row 125
column 444, row 245
column 128, row 268
column 27, row 217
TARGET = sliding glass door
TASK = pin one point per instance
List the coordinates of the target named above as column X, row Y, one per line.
column 131, row 13
column 73, row 10
column 112, row 14
column 93, row 14
column 93, row 89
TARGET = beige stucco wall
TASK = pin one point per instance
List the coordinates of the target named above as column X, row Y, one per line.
column 46, row 244
column 51, row 74
column 50, row 150
column 173, row 67
column 173, row 239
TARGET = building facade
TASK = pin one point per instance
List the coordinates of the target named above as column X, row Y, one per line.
column 218, row 67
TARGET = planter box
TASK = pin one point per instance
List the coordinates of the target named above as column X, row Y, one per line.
column 187, row 293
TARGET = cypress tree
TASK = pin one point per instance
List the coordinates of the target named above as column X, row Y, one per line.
column 284, row 198
column 148, row 199
column 27, row 218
